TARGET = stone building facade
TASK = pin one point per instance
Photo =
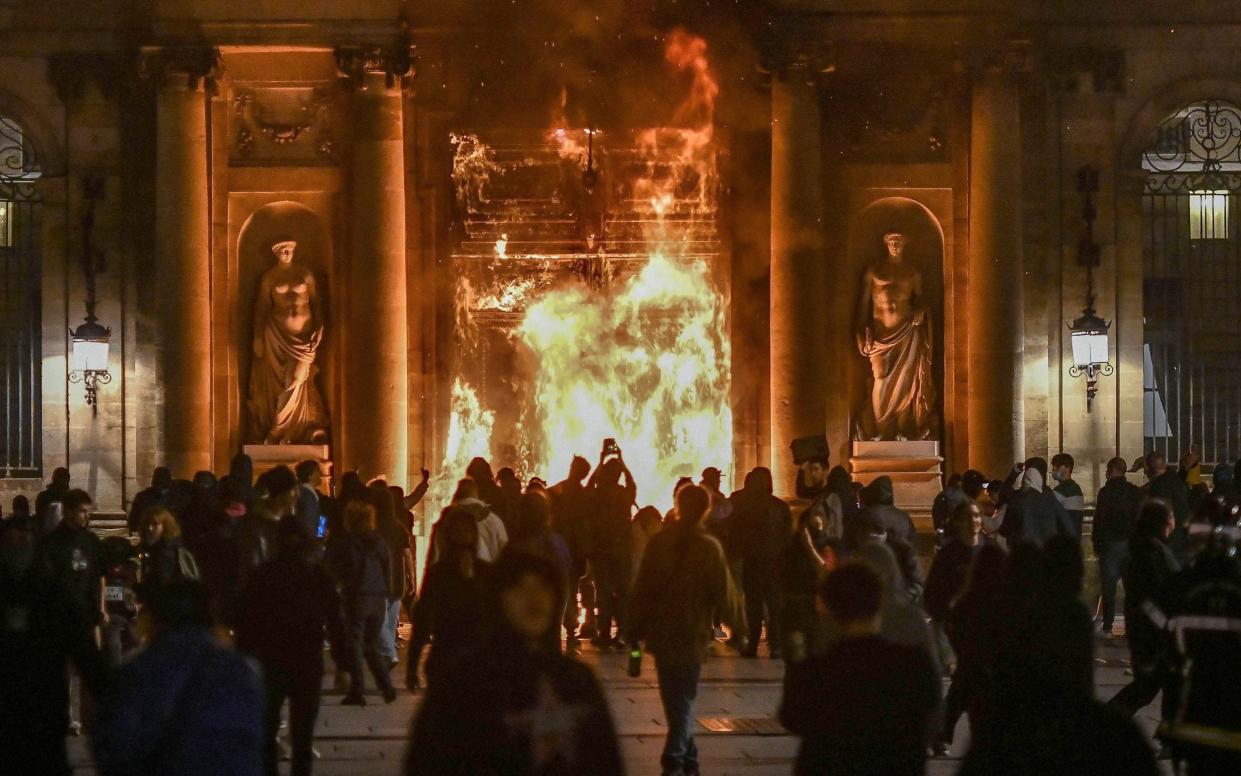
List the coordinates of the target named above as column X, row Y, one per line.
column 214, row 128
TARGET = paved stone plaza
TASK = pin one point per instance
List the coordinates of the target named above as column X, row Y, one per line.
column 371, row 740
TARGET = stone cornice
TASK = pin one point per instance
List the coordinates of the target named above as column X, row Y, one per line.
column 394, row 62
column 195, row 64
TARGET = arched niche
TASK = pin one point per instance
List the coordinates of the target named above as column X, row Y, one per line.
column 266, row 226
column 924, row 250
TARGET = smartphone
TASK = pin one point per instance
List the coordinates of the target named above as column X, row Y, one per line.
column 322, row 529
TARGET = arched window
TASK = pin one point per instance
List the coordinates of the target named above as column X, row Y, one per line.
column 1192, row 282
column 20, row 310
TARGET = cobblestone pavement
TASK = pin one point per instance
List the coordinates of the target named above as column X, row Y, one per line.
column 743, row 693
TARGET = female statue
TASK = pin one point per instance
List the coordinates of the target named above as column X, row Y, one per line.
column 285, row 405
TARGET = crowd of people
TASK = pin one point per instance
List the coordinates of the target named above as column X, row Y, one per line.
column 192, row 635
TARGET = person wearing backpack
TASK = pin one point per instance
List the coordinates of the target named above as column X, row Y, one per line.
column 367, row 587
column 164, row 557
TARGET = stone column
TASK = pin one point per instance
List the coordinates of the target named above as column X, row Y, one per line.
column 996, row 319
column 183, row 277
column 798, row 329
column 376, row 395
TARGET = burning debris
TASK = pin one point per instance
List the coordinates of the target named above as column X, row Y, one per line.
column 589, row 304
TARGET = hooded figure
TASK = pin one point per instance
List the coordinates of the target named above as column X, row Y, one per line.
column 877, row 500
column 1034, row 514
column 514, row 704
column 902, row 621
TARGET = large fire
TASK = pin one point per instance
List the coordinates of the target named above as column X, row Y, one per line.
column 632, row 343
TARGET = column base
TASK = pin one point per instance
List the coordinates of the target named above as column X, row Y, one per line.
column 916, row 469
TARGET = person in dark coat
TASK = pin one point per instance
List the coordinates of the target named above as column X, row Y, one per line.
column 683, row 585
column 220, row 557
column 164, row 558
column 44, row 626
column 52, row 494
column 289, row 606
column 449, row 614
column 877, row 500
column 161, row 481
column 866, row 707
column 946, row 579
column 1151, row 566
column 366, row 585
column 760, row 527
column 479, row 470
column 513, row 705
column 1170, row 486
column 256, row 530
column 806, row 558
column 396, row 538
column 611, row 555
column 570, row 513
column 186, row 704
column 1034, row 514
column 1116, row 513
column 973, row 629
column 72, row 556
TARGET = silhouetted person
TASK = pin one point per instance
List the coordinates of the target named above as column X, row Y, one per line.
column 19, row 511
column 973, row 629
column 759, row 529
column 155, row 493
column 449, row 614
column 1151, row 566
column 288, row 608
column 514, row 705
column 683, row 585
column 184, row 705
column 1170, row 486
column 866, row 706
column 492, row 535
column 164, row 558
column 1034, row 514
column 878, row 504
column 42, row 629
column 608, row 544
column 1115, row 515
column 510, row 493
column 241, row 471
column 806, row 558
column 479, row 470
column 400, row 558
column 570, row 512
column 311, row 504
column 256, row 530
column 532, row 532
column 1067, row 491
column 1041, row 716
column 52, row 494
column 219, row 559
column 366, row 586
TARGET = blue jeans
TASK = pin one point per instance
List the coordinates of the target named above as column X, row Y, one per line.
column 387, row 636
column 678, row 687
column 1112, row 559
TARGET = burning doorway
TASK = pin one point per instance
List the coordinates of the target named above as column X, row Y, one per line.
column 591, row 297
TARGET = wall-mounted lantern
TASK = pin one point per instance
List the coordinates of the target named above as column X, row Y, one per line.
column 1089, row 333
column 88, row 355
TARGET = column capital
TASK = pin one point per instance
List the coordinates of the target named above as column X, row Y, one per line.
column 196, row 64
column 72, row 72
column 394, row 62
column 792, row 62
column 1008, row 58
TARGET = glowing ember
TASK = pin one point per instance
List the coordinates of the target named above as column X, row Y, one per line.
column 502, row 247
column 472, row 166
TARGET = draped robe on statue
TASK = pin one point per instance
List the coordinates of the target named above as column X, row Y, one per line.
column 903, row 389
column 284, row 403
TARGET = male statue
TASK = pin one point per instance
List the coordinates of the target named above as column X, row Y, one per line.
column 894, row 331
column 285, row 405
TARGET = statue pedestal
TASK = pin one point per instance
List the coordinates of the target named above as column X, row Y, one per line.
column 267, row 457
column 916, row 469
